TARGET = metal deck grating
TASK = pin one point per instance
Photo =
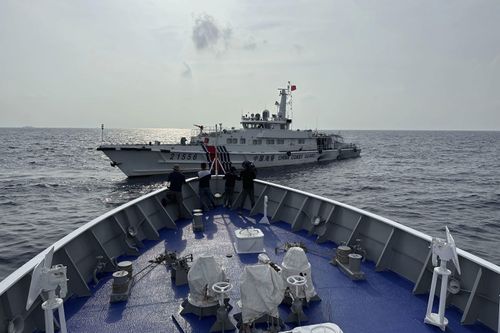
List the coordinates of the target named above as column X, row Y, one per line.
column 382, row 303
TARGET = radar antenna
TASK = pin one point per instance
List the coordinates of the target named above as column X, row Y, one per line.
column 445, row 250
column 200, row 127
column 48, row 278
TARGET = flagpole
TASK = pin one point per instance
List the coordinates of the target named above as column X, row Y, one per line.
column 216, row 159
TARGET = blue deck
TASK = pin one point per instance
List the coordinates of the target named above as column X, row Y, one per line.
column 382, row 303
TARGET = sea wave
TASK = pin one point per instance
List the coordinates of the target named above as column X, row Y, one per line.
column 54, row 181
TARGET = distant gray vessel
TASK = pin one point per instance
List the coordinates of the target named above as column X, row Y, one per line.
column 265, row 139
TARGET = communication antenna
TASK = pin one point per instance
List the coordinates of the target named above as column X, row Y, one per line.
column 48, row 278
column 290, row 88
column 446, row 251
column 102, row 132
column 216, row 158
column 264, row 219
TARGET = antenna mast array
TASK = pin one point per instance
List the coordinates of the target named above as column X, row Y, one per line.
column 48, row 278
column 446, row 251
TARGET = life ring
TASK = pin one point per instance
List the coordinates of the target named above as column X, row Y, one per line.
column 289, row 153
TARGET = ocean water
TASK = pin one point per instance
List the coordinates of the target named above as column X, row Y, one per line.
column 53, row 180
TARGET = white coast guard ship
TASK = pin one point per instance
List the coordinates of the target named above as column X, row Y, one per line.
column 265, row 139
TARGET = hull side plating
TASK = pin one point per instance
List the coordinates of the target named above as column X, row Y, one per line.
column 390, row 246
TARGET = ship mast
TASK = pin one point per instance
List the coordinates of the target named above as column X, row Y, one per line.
column 284, row 93
column 280, row 120
column 282, row 105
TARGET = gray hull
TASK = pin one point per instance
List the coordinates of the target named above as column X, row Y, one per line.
column 388, row 244
column 136, row 160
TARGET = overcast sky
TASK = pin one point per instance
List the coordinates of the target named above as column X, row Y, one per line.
column 160, row 63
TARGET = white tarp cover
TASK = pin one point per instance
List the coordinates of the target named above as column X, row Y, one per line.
column 204, row 272
column 295, row 263
column 318, row 328
column 262, row 290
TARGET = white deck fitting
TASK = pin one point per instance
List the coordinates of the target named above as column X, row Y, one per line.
column 250, row 240
column 318, row 328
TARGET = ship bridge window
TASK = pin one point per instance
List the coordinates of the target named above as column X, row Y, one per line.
column 231, row 140
column 270, row 141
column 243, row 141
column 257, row 142
column 280, row 141
column 302, row 141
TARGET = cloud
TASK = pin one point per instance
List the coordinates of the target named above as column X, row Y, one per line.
column 208, row 34
column 187, row 73
column 298, row 48
column 250, row 44
column 264, row 25
column 227, row 34
column 495, row 61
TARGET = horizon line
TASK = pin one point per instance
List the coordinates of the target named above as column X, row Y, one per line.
column 301, row 129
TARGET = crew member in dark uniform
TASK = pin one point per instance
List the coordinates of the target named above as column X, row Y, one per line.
column 231, row 177
column 247, row 176
column 206, row 197
column 176, row 180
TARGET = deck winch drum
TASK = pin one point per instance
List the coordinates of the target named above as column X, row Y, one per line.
column 198, row 220
column 125, row 266
column 355, row 262
column 342, row 254
column 120, row 282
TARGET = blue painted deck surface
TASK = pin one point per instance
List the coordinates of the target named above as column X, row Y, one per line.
column 382, row 303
